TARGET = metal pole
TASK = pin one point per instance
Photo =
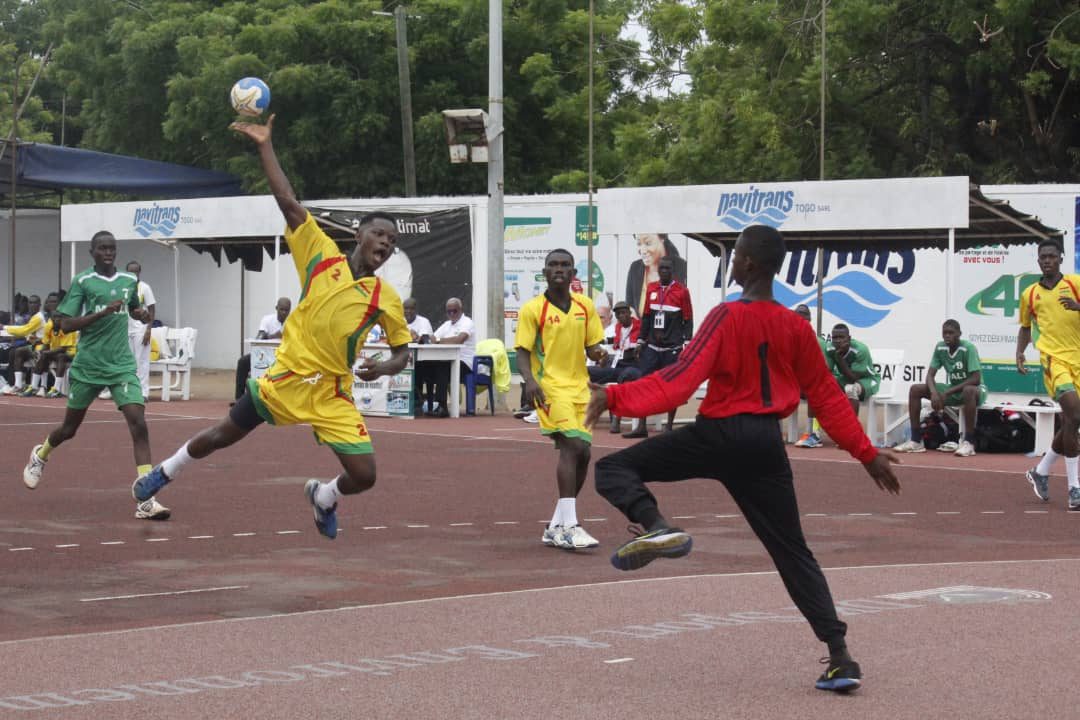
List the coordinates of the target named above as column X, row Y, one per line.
column 176, row 284
column 14, row 142
column 590, row 227
column 496, row 232
column 406, row 101
column 821, row 176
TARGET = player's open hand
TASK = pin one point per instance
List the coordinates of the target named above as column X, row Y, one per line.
column 259, row 133
column 880, row 468
column 1021, row 363
column 1069, row 303
column 597, row 404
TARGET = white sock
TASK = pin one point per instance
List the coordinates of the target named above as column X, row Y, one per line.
column 327, row 495
column 175, row 464
column 1047, row 462
column 566, row 509
column 18, row 378
column 61, row 384
column 1072, row 471
column 35, row 381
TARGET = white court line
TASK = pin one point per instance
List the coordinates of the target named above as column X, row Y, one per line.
column 157, row 539
column 499, row 522
column 947, row 512
column 528, row 591
column 684, row 517
column 288, row 532
column 67, row 546
column 21, row 549
column 904, row 513
column 417, row 526
column 113, row 542
column 1036, row 512
column 161, row 594
column 992, row 512
column 595, row 519
column 374, row 527
column 453, row 525
column 860, row 514
column 247, row 534
column 200, row 537
column 807, row 515
column 616, row 661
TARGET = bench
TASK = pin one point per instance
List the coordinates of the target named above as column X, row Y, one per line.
column 1040, row 417
column 177, row 349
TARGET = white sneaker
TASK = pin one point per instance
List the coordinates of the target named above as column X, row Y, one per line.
column 40, row 393
column 551, row 533
column 950, row 447
column 966, row 449
column 11, row 390
column 910, row 446
column 152, row 510
column 31, row 474
column 531, row 418
column 575, row 538
column 105, row 394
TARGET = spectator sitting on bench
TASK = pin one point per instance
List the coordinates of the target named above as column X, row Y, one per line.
column 810, row 438
column 850, row 363
column 962, row 388
column 27, row 335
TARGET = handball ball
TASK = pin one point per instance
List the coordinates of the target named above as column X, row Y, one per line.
column 250, row 96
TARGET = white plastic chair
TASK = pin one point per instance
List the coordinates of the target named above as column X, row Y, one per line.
column 176, row 368
column 886, row 391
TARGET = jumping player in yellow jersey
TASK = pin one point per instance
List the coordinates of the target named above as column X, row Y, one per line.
column 1052, row 306
column 555, row 332
column 311, row 378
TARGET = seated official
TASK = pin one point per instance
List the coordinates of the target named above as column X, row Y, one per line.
column 962, row 388
column 621, row 366
column 457, row 330
column 850, row 363
column 423, row 374
column 270, row 328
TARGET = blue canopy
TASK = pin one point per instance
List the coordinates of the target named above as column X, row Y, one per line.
column 51, row 167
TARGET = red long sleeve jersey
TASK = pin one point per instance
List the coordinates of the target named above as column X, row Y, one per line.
column 758, row 357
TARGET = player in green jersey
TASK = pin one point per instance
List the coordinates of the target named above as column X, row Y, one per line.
column 93, row 307
column 962, row 388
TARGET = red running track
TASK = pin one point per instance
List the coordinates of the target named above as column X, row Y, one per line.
column 438, row 600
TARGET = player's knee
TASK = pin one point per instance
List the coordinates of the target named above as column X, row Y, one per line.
column 360, row 480
column 919, row 391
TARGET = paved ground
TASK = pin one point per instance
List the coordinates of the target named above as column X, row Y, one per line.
column 438, row 601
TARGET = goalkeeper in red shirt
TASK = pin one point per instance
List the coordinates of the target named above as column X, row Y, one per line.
column 758, row 357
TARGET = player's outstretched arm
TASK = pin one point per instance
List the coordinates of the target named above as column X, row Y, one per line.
column 295, row 213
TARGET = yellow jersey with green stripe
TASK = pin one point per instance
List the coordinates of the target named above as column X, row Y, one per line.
column 56, row 338
column 1055, row 329
column 326, row 329
column 556, row 343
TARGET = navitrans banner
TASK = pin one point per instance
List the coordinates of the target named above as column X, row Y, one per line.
column 889, row 204
column 233, row 217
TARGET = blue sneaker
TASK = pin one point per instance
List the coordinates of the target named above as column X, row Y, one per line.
column 148, row 485
column 643, row 549
column 325, row 520
column 842, row 677
column 1039, row 483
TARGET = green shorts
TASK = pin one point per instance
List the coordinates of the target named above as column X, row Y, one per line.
column 127, row 391
column 957, row 399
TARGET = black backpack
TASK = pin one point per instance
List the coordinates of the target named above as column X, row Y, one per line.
column 1001, row 430
column 937, row 429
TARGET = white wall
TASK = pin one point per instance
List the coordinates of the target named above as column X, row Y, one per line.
column 37, row 254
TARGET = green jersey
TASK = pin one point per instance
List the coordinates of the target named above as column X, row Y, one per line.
column 104, row 356
column 959, row 364
column 859, row 361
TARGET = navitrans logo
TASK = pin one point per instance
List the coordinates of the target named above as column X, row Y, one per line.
column 738, row 210
column 156, row 219
column 859, row 283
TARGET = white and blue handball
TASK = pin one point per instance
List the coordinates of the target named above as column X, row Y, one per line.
column 250, row 96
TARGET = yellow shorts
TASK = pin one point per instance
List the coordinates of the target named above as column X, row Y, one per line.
column 563, row 417
column 324, row 403
column 1059, row 377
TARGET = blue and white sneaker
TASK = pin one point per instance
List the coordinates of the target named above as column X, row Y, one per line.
column 325, row 519
column 1039, row 483
column 1074, row 498
column 149, row 484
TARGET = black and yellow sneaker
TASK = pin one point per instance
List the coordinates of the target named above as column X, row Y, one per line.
column 840, row 677
column 646, row 547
